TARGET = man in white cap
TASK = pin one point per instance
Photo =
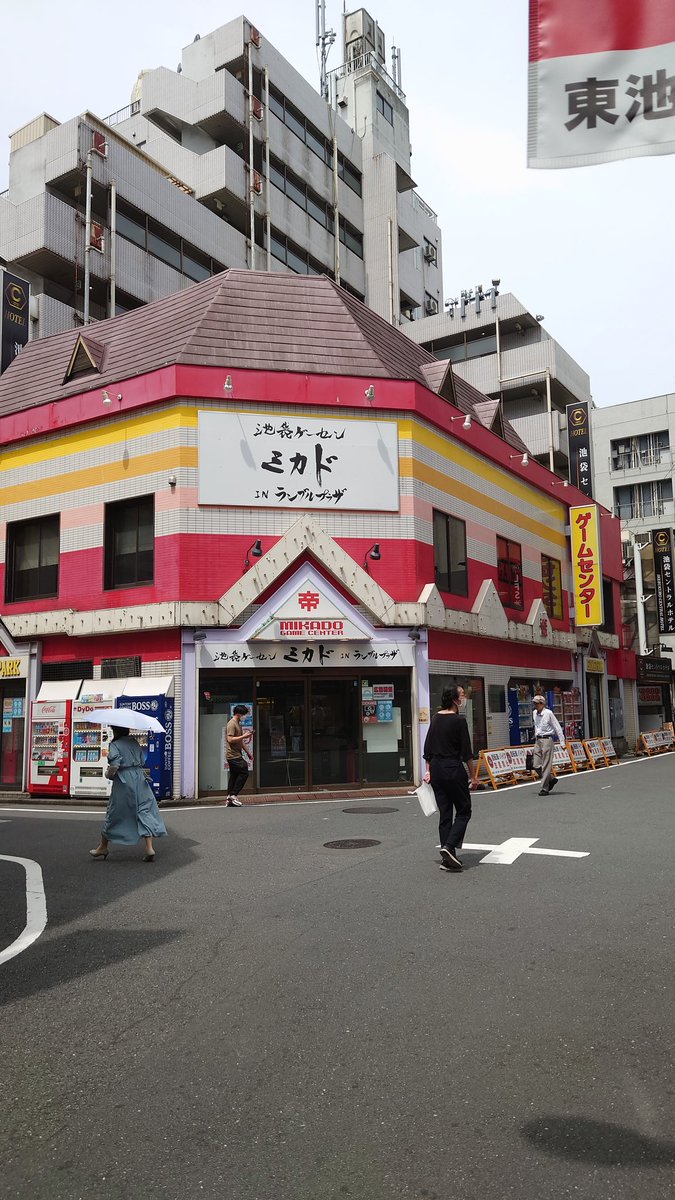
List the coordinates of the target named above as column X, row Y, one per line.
column 546, row 730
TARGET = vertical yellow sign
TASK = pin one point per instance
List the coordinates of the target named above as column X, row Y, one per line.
column 586, row 564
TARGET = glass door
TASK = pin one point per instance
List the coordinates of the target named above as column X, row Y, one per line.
column 12, row 703
column 279, row 742
column 334, row 731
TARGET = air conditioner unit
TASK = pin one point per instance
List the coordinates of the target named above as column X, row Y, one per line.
column 429, row 253
column 431, row 307
column 257, row 183
column 257, row 107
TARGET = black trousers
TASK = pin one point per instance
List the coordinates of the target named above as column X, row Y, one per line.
column 238, row 775
column 453, row 797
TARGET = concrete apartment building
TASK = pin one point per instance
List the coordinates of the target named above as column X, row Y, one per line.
column 232, row 160
column 501, row 348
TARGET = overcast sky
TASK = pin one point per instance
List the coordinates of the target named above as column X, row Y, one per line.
column 592, row 248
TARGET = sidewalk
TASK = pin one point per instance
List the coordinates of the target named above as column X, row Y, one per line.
column 380, row 793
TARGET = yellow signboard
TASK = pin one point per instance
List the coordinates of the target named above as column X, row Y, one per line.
column 10, row 668
column 586, row 564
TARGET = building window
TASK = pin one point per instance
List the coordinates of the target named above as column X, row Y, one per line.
column 509, row 573
column 295, row 257
column 313, row 139
column 551, row 587
column 645, row 450
column 384, row 107
column 121, row 668
column 450, row 569
column 32, row 564
column 129, row 542
column 640, row 500
column 608, row 625
column 161, row 243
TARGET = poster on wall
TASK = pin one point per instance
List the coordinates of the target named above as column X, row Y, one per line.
column 302, row 463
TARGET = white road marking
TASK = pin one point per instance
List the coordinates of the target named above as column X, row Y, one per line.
column 36, row 908
column 509, row 850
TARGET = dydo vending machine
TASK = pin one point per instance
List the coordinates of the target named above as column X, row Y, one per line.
column 90, row 742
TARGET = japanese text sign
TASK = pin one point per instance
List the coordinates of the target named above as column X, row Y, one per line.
column 665, row 586
column 271, row 461
column 601, row 81
column 579, row 440
column 586, row 564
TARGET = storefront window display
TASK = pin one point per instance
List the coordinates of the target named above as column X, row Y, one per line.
column 311, row 731
column 474, row 688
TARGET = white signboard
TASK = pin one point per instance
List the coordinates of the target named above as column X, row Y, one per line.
column 308, row 614
column 303, row 654
column 270, row 461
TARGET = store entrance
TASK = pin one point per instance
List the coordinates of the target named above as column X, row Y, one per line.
column 12, row 734
column 307, row 733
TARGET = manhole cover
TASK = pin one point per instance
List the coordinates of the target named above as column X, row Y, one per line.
column 351, row 844
column 369, row 808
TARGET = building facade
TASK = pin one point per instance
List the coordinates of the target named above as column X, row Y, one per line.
column 233, row 160
column 633, row 476
column 200, row 502
column 504, row 351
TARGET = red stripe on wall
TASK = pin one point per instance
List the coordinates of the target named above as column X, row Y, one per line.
column 559, row 28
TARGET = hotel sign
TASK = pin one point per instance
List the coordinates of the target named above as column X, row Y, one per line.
column 665, row 591
column 579, row 443
column 586, row 565
column 297, row 462
column 15, row 318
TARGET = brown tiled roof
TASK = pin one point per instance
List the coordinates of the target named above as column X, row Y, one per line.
column 239, row 319
column 488, row 412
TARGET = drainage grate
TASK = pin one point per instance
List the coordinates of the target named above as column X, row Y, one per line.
column 351, row 844
column 369, row 808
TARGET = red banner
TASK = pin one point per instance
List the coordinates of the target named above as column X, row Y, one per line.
column 601, row 81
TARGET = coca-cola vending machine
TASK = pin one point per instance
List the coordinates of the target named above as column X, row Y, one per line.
column 50, row 730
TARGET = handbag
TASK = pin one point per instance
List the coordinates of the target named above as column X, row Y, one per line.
column 427, row 799
column 529, row 760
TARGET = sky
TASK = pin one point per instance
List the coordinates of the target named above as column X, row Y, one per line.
column 591, row 248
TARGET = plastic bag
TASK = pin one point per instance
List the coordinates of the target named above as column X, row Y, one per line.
column 427, row 799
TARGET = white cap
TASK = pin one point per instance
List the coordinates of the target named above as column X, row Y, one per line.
column 539, row 700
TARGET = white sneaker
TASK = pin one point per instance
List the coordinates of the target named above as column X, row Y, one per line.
column 234, row 803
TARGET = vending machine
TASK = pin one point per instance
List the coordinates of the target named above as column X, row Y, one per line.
column 154, row 697
column 50, row 728
column 573, row 718
column 89, row 754
column 521, row 715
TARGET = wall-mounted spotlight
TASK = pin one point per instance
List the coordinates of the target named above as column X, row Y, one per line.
column 107, row 399
column 370, row 393
column 227, row 386
column 466, row 423
column 373, row 553
column 560, row 483
column 524, row 459
column 255, row 550
column 414, row 635
column 172, row 480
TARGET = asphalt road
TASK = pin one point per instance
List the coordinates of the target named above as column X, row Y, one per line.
column 257, row 1017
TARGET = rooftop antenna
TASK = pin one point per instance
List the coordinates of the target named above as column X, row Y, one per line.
column 396, row 64
column 324, row 41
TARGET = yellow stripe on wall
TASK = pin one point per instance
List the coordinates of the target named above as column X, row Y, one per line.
column 183, row 416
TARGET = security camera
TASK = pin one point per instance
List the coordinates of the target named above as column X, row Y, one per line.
column 496, row 282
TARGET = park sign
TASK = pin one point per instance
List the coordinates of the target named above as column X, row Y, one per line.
column 586, row 565
column 600, row 81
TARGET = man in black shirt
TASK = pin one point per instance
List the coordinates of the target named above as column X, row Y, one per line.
column 447, row 748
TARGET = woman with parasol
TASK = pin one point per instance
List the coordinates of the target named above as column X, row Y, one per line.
column 132, row 811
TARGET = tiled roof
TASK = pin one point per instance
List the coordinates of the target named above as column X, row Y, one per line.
column 239, row 319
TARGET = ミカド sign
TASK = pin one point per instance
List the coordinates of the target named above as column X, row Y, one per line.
column 586, row 564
